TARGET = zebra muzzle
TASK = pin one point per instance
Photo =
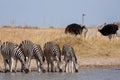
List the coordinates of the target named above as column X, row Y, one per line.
column 26, row 70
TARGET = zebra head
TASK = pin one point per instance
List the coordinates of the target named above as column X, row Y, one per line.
column 25, row 68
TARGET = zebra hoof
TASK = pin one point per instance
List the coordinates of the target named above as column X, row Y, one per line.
column 52, row 71
column 22, row 70
column 14, row 71
column 7, row 71
column 60, row 70
column 48, row 71
column 2, row 72
column 43, row 70
column 76, row 71
column 26, row 70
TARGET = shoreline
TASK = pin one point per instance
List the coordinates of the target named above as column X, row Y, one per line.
column 85, row 63
column 98, row 66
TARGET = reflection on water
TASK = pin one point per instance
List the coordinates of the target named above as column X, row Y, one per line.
column 84, row 74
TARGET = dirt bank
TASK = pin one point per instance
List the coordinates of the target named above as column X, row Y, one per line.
column 99, row 62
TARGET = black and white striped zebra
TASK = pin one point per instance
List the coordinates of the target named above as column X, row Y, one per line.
column 52, row 54
column 11, row 52
column 69, row 57
column 33, row 51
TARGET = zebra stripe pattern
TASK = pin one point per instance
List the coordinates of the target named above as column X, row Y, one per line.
column 33, row 51
column 53, row 55
column 11, row 52
column 69, row 56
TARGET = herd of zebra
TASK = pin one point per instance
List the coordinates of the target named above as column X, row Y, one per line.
column 51, row 54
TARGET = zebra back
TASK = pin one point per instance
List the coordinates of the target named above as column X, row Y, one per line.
column 38, row 53
column 68, row 52
column 26, row 47
column 52, row 49
column 32, row 50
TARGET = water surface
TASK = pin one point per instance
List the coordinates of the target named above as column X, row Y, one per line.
column 83, row 74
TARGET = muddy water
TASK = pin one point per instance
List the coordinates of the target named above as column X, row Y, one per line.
column 84, row 74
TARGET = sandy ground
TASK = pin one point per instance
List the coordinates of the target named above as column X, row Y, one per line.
column 99, row 62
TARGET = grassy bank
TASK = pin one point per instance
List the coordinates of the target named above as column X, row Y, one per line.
column 94, row 46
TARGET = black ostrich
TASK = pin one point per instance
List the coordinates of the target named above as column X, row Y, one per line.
column 109, row 30
column 76, row 29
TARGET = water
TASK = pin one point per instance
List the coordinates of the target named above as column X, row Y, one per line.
column 83, row 74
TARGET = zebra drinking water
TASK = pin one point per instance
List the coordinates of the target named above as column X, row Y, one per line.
column 11, row 52
column 69, row 56
column 33, row 51
column 53, row 55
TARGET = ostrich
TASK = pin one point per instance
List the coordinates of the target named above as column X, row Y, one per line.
column 76, row 29
column 109, row 30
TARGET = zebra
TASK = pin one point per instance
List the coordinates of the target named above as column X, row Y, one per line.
column 10, row 53
column 69, row 56
column 33, row 51
column 52, row 55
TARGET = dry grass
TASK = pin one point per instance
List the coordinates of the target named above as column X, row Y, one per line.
column 93, row 46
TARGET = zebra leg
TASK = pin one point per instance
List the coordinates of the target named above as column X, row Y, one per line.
column 72, row 68
column 5, row 64
column 55, row 66
column 69, row 66
column 29, row 67
column 47, row 67
column 66, row 66
column 16, row 64
column 75, row 66
column 42, row 68
column 52, row 65
column 11, row 64
column 38, row 65
column 58, row 65
column 21, row 67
